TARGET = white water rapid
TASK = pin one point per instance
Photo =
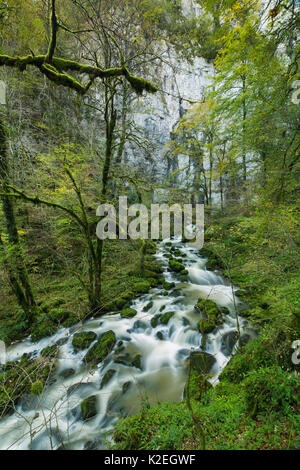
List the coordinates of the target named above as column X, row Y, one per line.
column 54, row 420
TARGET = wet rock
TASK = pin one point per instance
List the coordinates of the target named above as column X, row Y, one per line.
column 228, row 342
column 89, row 408
column 139, row 326
column 155, row 320
column 160, row 336
column 185, row 322
column 202, row 362
column 78, row 387
column 93, row 445
column 127, row 360
column 162, row 308
column 148, row 307
column 83, row 340
column 128, row 313
column 182, row 354
column 168, row 285
column 166, row 317
column 62, row 341
column 107, row 377
column 50, row 352
column 177, row 267
column 100, row 350
column 126, row 387
column 65, row 374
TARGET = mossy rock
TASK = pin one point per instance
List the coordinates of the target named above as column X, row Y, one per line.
column 155, row 320
column 148, row 307
column 159, row 335
column 142, row 287
column 128, row 313
column 169, row 244
column 162, row 308
column 206, row 326
column 137, row 361
column 168, row 285
column 176, row 266
column 50, row 352
column 107, row 377
column 65, row 374
column 208, row 307
column 166, row 317
column 83, row 340
column 202, row 362
column 100, row 350
column 126, row 387
column 89, row 408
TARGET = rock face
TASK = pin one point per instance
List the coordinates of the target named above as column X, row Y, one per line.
column 101, row 349
column 158, row 116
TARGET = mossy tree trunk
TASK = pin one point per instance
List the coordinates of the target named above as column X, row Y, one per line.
column 110, row 118
column 13, row 256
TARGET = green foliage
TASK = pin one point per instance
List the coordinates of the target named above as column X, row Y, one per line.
column 271, row 389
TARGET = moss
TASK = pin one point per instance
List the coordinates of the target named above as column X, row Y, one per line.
column 126, row 387
column 83, row 340
column 89, row 408
column 210, row 310
column 101, row 348
column 137, row 361
column 202, row 362
column 168, row 285
column 142, row 287
column 206, row 326
column 148, row 307
column 52, row 303
column 50, row 351
column 176, row 266
column 128, row 313
column 58, row 315
column 166, row 317
column 155, row 320
column 107, row 377
column 71, row 321
column 37, row 388
column 16, row 379
column 43, row 329
column 139, row 84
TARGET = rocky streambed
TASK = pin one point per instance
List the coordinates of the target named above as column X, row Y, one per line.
column 105, row 368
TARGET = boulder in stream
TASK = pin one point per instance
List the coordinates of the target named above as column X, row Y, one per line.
column 98, row 352
column 89, row 408
column 128, row 313
column 202, row 362
column 83, row 340
column 107, row 377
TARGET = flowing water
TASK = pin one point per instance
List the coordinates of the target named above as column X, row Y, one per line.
column 54, row 418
